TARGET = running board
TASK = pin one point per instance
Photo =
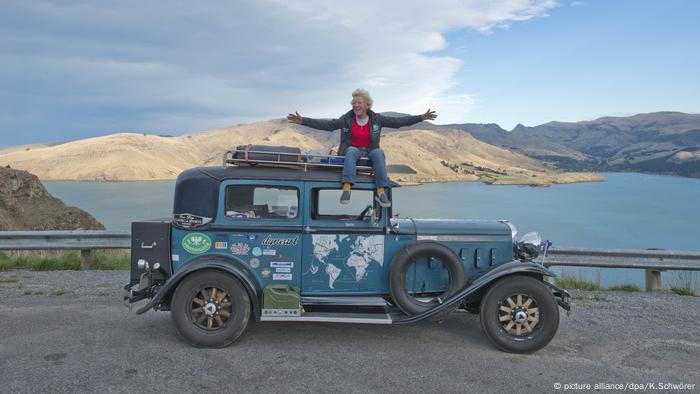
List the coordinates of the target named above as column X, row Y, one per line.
column 345, row 301
column 364, row 318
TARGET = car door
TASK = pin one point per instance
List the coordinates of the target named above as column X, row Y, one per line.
column 343, row 251
column 259, row 223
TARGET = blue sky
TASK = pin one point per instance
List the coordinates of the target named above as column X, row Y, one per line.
column 73, row 69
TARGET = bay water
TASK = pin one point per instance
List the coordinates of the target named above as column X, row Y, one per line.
column 626, row 211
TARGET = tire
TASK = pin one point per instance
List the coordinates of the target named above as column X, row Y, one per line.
column 531, row 303
column 406, row 257
column 210, row 327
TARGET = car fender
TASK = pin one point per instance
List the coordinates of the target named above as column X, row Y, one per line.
column 484, row 281
column 229, row 265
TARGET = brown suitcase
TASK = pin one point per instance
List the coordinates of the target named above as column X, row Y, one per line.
column 267, row 153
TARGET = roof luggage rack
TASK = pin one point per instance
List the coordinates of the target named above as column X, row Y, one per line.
column 257, row 155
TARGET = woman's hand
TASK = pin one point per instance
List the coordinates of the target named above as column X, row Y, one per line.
column 428, row 115
column 296, row 118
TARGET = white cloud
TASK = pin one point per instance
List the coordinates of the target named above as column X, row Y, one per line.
column 177, row 66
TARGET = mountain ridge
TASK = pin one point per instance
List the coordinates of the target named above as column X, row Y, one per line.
column 664, row 142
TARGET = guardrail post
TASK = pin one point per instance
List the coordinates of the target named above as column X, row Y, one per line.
column 87, row 257
column 653, row 279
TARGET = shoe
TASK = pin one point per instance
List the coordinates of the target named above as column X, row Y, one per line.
column 345, row 197
column 383, row 200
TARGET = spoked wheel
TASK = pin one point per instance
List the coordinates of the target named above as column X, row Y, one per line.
column 520, row 317
column 210, row 309
column 519, row 314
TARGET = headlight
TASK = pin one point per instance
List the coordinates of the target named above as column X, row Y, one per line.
column 532, row 238
column 528, row 246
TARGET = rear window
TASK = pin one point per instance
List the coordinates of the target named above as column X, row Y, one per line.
column 262, row 202
column 196, row 194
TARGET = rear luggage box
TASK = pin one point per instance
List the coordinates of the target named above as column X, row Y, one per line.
column 150, row 241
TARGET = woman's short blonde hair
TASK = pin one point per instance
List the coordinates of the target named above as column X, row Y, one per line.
column 365, row 95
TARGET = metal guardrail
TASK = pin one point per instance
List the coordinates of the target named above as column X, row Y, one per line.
column 85, row 241
column 652, row 261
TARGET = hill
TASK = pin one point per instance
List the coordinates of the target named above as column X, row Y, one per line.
column 414, row 155
column 26, row 205
column 659, row 142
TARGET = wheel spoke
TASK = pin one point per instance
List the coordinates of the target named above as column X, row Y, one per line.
column 198, row 301
column 517, row 329
column 527, row 326
column 533, row 319
column 509, row 326
column 202, row 318
column 510, row 302
column 520, row 300
column 504, row 318
column 213, row 293
column 204, row 294
column 198, row 310
column 532, row 310
column 224, row 313
column 527, row 303
column 221, row 296
column 210, row 322
column 506, row 309
column 219, row 321
column 225, row 304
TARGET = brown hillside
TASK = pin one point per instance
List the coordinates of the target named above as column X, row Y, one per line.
column 434, row 155
column 26, row 205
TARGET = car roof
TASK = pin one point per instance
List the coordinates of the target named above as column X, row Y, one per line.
column 280, row 173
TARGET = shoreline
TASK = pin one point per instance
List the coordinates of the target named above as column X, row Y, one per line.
column 545, row 180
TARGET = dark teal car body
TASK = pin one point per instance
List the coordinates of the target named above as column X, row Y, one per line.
column 281, row 234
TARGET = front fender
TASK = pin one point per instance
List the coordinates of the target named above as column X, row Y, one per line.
column 229, row 265
column 514, row 267
column 507, row 269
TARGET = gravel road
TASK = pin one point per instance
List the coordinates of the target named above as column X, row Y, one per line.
column 68, row 332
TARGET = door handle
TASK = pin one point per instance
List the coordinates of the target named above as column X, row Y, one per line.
column 308, row 229
column 144, row 246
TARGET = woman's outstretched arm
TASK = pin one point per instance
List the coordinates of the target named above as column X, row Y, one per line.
column 320, row 124
column 401, row 121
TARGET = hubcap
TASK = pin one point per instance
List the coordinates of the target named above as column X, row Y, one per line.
column 518, row 314
column 210, row 309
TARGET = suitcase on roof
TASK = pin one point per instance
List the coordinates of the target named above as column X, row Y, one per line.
column 267, row 154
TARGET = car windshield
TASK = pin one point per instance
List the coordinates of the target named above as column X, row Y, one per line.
column 328, row 206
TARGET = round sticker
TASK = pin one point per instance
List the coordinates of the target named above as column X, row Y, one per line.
column 254, row 263
column 266, row 273
column 196, row 243
column 257, row 251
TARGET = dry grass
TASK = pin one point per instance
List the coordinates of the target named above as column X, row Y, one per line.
column 54, row 260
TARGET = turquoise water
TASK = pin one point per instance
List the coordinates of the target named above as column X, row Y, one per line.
column 627, row 211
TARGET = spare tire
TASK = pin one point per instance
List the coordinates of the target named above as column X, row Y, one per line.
column 408, row 255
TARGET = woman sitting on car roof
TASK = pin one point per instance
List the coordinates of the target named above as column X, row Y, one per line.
column 359, row 137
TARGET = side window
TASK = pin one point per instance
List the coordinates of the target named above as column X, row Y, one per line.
column 327, row 205
column 262, row 202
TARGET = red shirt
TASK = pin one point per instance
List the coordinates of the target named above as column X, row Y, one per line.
column 360, row 134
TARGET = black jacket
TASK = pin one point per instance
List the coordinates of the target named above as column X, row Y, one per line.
column 344, row 123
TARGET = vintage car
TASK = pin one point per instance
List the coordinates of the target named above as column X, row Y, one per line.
column 273, row 243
